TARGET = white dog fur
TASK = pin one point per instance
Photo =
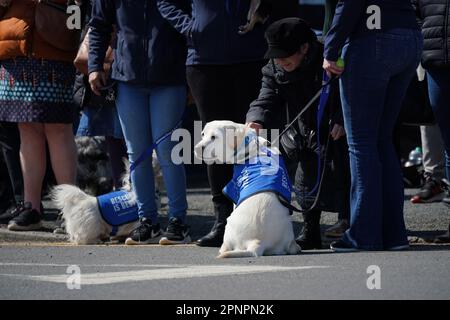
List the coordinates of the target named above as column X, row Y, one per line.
column 83, row 220
column 260, row 225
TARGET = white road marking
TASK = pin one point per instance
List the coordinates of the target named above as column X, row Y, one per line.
column 161, row 274
column 27, row 264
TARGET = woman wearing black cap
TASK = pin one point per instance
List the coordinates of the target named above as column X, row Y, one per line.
column 290, row 79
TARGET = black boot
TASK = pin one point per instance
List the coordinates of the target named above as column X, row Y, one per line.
column 446, row 186
column 215, row 237
column 310, row 237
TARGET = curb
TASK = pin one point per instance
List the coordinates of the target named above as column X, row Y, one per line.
column 30, row 236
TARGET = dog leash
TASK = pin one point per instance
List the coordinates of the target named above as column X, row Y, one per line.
column 323, row 93
column 148, row 152
column 308, row 105
column 319, row 188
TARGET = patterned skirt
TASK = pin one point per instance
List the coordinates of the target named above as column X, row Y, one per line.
column 34, row 90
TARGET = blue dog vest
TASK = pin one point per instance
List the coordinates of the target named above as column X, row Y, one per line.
column 259, row 174
column 118, row 208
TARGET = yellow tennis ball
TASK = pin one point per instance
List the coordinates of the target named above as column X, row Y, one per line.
column 340, row 63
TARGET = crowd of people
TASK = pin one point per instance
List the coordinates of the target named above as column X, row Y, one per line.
column 261, row 77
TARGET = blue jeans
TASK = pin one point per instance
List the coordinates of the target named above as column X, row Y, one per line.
column 146, row 114
column 439, row 92
column 378, row 70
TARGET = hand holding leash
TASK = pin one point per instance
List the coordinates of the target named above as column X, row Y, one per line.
column 334, row 67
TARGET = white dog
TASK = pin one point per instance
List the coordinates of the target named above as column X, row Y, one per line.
column 86, row 223
column 260, row 224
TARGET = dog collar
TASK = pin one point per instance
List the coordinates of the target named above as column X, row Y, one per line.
column 260, row 174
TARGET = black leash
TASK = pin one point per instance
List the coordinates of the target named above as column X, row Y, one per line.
column 309, row 104
column 322, row 173
column 316, row 200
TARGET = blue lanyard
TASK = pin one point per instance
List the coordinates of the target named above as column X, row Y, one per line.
column 148, row 152
column 320, row 112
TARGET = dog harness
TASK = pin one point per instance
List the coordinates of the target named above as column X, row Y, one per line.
column 262, row 173
column 118, row 208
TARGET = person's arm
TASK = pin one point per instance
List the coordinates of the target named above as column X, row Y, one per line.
column 330, row 9
column 416, row 6
column 101, row 25
column 174, row 11
column 268, row 100
column 348, row 14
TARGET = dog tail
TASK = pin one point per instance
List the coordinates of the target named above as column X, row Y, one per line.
column 65, row 194
column 237, row 254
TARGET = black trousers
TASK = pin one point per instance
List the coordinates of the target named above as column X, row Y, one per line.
column 223, row 92
column 335, row 191
column 10, row 147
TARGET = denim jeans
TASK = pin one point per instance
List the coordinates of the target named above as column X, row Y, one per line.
column 439, row 92
column 378, row 70
column 146, row 114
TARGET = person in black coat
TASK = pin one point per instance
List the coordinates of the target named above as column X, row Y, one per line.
column 434, row 20
column 290, row 79
column 223, row 72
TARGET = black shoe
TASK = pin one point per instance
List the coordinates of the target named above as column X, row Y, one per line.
column 215, row 237
column 13, row 211
column 446, row 185
column 341, row 246
column 445, row 238
column 310, row 237
column 145, row 233
column 446, row 201
column 28, row 219
column 431, row 191
column 337, row 230
column 176, row 233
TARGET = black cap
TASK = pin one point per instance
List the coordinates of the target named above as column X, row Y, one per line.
column 286, row 36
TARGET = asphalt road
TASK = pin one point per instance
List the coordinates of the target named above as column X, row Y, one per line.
column 189, row 272
column 32, row 269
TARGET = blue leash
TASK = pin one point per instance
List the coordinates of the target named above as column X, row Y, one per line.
column 324, row 94
column 148, row 152
column 320, row 112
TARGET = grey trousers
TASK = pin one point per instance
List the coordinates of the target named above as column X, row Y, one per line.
column 433, row 151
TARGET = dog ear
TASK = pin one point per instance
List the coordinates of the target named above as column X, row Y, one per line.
column 234, row 135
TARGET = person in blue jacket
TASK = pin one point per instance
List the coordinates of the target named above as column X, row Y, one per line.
column 223, row 73
column 149, row 67
column 381, row 46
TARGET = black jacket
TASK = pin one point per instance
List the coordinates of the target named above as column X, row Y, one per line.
column 294, row 90
column 434, row 16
